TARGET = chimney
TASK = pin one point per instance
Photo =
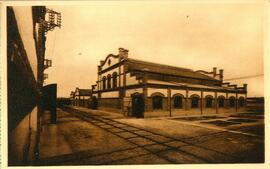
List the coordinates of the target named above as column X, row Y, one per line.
column 101, row 62
column 221, row 74
column 214, row 72
column 245, row 87
column 123, row 53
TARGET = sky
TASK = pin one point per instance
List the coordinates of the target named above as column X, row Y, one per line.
column 198, row 36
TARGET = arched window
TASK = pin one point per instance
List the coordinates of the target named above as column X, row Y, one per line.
column 114, row 80
column 209, row 101
column 109, row 81
column 177, row 102
column 104, row 82
column 194, row 101
column 157, row 102
column 241, row 101
column 221, row 101
column 232, row 101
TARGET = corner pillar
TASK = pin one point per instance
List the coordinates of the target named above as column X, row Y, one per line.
column 216, row 103
column 145, row 91
column 236, row 102
column 226, row 101
column 201, row 102
column 169, row 104
column 186, row 101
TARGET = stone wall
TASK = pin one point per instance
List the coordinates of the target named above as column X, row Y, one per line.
column 114, row 103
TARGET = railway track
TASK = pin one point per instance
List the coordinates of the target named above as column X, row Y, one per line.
column 152, row 142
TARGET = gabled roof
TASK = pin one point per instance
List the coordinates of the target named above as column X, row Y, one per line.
column 83, row 92
column 134, row 64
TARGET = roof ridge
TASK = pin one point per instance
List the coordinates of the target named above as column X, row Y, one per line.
column 172, row 68
column 153, row 63
column 84, row 89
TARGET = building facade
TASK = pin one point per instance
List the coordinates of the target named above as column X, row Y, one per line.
column 26, row 62
column 142, row 89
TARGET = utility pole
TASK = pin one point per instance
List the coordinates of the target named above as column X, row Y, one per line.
column 44, row 26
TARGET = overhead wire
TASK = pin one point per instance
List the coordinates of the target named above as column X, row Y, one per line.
column 245, row 77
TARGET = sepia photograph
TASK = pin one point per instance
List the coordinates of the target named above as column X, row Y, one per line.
column 113, row 83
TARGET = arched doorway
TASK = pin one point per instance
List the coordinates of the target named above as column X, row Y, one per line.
column 221, row 101
column 208, row 101
column 157, row 102
column 232, row 101
column 195, row 101
column 241, row 101
column 178, row 101
column 137, row 105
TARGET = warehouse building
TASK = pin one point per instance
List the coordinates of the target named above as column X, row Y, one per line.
column 143, row 89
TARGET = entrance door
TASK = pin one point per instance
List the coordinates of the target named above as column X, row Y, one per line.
column 137, row 105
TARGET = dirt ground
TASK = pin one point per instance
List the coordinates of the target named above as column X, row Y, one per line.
column 92, row 137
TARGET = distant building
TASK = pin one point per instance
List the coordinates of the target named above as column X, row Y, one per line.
column 72, row 98
column 141, row 89
column 80, row 97
column 63, row 101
